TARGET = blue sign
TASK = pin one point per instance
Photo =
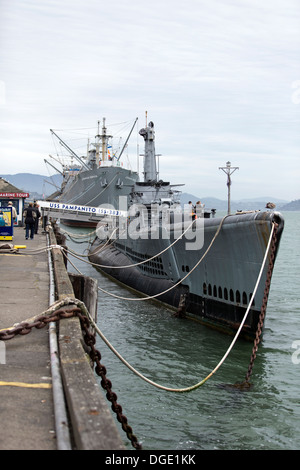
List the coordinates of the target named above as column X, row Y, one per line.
column 6, row 223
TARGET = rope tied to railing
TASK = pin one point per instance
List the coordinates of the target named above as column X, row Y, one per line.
column 59, row 310
column 200, row 383
column 67, row 308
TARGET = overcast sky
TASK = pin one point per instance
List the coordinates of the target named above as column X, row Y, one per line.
column 220, row 79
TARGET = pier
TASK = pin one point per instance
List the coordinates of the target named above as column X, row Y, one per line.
column 49, row 396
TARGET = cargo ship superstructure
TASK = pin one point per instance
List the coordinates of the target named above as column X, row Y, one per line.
column 97, row 180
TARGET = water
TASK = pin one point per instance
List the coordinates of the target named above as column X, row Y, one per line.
column 179, row 353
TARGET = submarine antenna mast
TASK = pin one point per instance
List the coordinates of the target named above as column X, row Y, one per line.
column 228, row 169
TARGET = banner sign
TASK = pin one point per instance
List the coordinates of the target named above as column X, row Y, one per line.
column 99, row 211
column 6, row 223
column 14, row 195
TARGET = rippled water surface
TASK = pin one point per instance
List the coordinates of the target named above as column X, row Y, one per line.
column 179, row 353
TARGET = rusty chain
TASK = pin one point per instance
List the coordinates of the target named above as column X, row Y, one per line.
column 106, row 384
column 38, row 322
column 262, row 314
column 69, row 311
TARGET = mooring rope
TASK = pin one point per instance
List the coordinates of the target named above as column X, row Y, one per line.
column 77, row 235
column 200, row 383
column 203, row 381
column 159, row 293
column 134, row 264
column 135, row 299
column 101, row 247
column 58, row 304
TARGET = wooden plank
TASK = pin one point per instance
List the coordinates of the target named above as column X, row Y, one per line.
column 92, row 422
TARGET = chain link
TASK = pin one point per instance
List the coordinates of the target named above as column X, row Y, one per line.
column 106, row 384
column 69, row 311
column 262, row 314
column 89, row 337
column 39, row 322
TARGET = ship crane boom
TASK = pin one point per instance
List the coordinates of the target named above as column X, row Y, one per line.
column 71, row 151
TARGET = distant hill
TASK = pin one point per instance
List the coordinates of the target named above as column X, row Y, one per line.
column 35, row 185
column 40, row 186
column 210, row 202
column 243, row 204
column 292, row 206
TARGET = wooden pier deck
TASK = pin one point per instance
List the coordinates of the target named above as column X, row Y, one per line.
column 27, row 407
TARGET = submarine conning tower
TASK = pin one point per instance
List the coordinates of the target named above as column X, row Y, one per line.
column 150, row 172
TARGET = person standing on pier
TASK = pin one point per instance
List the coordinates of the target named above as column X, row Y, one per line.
column 38, row 215
column 30, row 215
column 14, row 212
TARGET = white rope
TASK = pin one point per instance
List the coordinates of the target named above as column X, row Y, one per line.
column 38, row 250
column 77, row 235
column 73, row 253
column 128, row 265
column 159, row 293
column 200, row 383
column 58, row 304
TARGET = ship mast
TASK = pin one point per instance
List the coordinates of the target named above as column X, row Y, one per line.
column 228, row 169
column 97, row 145
column 102, row 140
column 150, row 172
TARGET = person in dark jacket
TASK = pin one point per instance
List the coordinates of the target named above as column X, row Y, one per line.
column 29, row 215
column 38, row 215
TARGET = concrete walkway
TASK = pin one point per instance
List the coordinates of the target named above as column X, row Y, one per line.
column 27, row 413
column 26, row 396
